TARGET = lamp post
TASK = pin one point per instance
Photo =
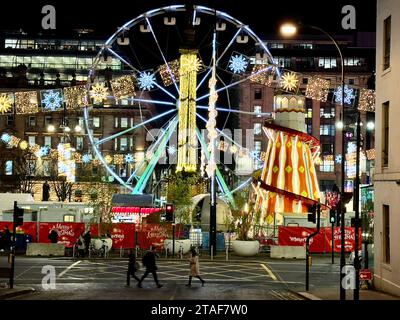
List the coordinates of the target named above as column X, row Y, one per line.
column 289, row 29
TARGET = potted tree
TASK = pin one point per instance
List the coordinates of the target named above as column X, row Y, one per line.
column 242, row 220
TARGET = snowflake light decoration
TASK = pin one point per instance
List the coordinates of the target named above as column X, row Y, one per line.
column 290, row 81
column 99, row 93
column 5, row 137
column 338, row 158
column 5, row 103
column 171, row 150
column 348, row 95
column 52, row 100
column 238, row 63
column 146, row 80
column 129, row 158
column 86, row 158
column 43, row 151
column 351, row 148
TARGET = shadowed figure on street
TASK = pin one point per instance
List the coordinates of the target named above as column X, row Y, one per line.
column 133, row 267
column 149, row 261
column 194, row 268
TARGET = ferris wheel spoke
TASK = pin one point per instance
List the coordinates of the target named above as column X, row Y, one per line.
column 123, row 60
column 165, row 90
column 152, row 101
column 134, row 127
column 162, row 54
column 228, row 138
column 236, row 82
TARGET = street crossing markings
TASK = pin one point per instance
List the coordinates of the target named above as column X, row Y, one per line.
column 69, row 268
column 271, row 274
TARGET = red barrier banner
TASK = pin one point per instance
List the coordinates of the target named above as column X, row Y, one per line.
column 28, row 228
column 297, row 236
column 321, row 243
column 68, row 232
column 122, row 234
column 151, row 235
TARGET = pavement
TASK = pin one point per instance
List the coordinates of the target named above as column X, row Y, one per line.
column 258, row 278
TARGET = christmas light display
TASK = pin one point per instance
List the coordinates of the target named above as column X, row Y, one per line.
column 129, row 158
column 26, row 102
column 99, row 93
column 261, row 74
column 5, row 137
column 290, row 81
column 317, row 88
column 118, row 159
column 108, row 159
column 5, row 103
column 370, row 154
column 238, row 63
column 43, row 151
column 338, row 158
column 51, row 99
column 66, row 163
column 165, row 74
column 146, row 80
column 23, row 145
column 123, row 87
column 75, row 97
column 349, row 95
column 86, row 158
column 366, row 101
column 187, row 140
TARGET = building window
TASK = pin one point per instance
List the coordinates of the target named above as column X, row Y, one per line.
column 327, row 130
column 327, row 112
column 96, row 122
column 46, row 168
column 47, row 120
column 32, row 121
column 124, row 122
column 257, row 128
column 116, row 122
column 79, row 143
column 47, row 141
column 305, row 80
column 386, row 44
column 385, row 133
column 309, row 113
column 257, row 111
column 327, row 148
column 69, row 218
column 257, row 94
column 31, row 140
column 10, row 120
column 309, row 129
column 123, row 144
column 327, row 166
column 351, row 81
column 386, row 234
column 326, row 185
column 9, row 168
column 327, row 63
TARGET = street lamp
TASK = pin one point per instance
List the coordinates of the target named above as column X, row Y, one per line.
column 78, row 128
column 51, row 128
column 289, row 29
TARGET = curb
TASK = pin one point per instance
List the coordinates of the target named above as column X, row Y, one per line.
column 16, row 293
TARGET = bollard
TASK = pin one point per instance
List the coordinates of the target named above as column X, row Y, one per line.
column 212, row 253
column 120, row 252
column 227, row 253
column 166, row 253
column 136, row 251
column 181, row 252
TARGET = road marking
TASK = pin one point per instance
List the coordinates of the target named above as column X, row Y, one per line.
column 269, row 271
column 69, row 268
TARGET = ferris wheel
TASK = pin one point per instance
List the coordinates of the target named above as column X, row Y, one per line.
column 188, row 63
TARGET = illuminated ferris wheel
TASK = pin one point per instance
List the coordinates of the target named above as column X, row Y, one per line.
column 187, row 62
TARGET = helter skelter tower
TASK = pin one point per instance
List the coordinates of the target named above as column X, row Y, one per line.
column 187, row 139
column 288, row 183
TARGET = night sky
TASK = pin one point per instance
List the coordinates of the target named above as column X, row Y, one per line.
column 263, row 16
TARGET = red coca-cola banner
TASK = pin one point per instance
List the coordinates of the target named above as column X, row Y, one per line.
column 122, row 234
column 151, row 235
column 322, row 242
column 28, row 228
column 68, row 232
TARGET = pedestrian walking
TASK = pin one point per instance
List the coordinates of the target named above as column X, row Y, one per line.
column 80, row 244
column 53, row 236
column 133, row 267
column 149, row 261
column 87, row 239
column 194, row 268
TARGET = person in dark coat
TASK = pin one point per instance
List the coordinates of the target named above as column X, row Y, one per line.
column 133, row 267
column 149, row 261
column 46, row 191
column 87, row 239
column 7, row 238
column 53, row 236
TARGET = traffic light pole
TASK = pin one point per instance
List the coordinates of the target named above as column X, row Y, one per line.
column 333, row 242
column 308, row 247
column 12, row 253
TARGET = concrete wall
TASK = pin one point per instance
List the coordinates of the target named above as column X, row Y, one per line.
column 387, row 191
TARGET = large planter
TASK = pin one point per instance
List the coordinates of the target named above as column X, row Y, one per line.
column 246, row 248
column 181, row 243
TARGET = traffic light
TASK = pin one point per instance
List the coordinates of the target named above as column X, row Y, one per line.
column 169, row 212
column 312, row 215
column 332, row 215
column 18, row 216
